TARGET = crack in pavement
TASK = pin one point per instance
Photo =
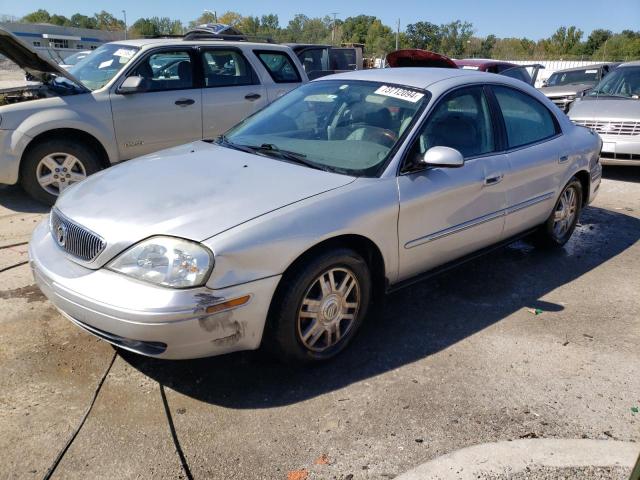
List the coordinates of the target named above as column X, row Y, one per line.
column 174, row 435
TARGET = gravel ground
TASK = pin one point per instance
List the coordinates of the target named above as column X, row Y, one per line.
column 456, row 361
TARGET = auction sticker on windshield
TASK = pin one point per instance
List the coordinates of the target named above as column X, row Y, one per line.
column 400, row 93
column 124, row 52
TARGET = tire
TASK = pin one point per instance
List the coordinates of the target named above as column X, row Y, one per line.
column 555, row 232
column 292, row 327
column 39, row 163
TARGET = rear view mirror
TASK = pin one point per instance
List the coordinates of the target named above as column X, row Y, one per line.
column 133, row 85
column 443, row 157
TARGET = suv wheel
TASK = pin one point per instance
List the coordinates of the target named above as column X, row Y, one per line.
column 51, row 166
column 320, row 307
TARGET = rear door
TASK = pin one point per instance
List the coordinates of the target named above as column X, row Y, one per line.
column 168, row 113
column 537, row 157
column 282, row 70
column 231, row 91
column 446, row 213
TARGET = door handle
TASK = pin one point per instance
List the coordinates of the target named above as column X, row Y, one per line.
column 564, row 158
column 183, row 102
column 493, row 179
column 252, row 96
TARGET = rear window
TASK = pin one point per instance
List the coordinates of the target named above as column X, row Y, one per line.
column 280, row 66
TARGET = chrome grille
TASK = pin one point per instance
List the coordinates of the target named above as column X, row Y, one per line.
column 74, row 239
column 611, row 127
column 561, row 102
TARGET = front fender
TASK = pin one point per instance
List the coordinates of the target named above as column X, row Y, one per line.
column 268, row 245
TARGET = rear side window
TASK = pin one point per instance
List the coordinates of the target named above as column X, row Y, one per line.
column 280, row 66
column 224, row 68
column 526, row 120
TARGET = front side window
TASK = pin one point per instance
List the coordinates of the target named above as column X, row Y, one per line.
column 97, row 69
column 279, row 66
column 623, row 82
column 223, row 68
column 462, row 120
column 526, row 119
column 166, row 70
column 348, row 127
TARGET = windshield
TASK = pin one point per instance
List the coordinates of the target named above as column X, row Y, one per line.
column 97, row 69
column 589, row 75
column 75, row 58
column 343, row 126
column 623, row 82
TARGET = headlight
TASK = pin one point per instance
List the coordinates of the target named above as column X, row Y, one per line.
column 168, row 261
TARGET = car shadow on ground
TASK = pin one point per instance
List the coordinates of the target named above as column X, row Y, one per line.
column 13, row 197
column 621, row 173
column 416, row 322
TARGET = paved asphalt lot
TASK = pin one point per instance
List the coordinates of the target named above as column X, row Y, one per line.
column 452, row 362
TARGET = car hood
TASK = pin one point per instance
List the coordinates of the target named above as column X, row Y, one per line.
column 414, row 57
column 194, row 191
column 565, row 90
column 30, row 61
column 592, row 108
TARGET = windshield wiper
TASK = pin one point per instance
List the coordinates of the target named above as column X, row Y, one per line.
column 295, row 157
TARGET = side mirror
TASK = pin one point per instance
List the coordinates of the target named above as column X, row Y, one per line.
column 544, row 83
column 443, row 157
column 133, row 85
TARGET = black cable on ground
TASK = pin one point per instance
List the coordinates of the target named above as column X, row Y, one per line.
column 174, row 435
column 13, row 266
column 53, row 466
column 13, row 245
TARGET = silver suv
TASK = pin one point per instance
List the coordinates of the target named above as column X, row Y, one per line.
column 126, row 99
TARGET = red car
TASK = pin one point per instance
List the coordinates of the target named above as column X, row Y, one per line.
column 425, row 58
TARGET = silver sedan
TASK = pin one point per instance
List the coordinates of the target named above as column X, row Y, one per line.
column 285, row 230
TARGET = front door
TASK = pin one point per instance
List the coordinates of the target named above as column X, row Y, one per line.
column 167, row 113
column 446, row 213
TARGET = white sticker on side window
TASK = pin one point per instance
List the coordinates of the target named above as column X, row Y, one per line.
column 400, row 93
column 591, row 71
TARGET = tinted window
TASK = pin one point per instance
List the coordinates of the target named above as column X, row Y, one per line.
column 279, row 66
column 589, row 75
column 226, row 68
column 461, row 121
column 526, row 119
column 167, row 70
column 519, row 73
column 622, row 82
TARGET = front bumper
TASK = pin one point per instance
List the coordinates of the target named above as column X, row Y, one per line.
column 620, row 150
column 147, row 319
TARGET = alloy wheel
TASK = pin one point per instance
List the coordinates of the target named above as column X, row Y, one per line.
column 57, row 171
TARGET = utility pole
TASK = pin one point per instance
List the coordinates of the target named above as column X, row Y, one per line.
column 333, row 29
column 398, row 36
column 124, row 12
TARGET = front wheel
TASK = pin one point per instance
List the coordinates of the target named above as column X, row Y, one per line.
column 51, row 166
column 320, row 307
column 559, row 227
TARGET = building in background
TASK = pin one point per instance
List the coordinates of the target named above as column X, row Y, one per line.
column 57, row 42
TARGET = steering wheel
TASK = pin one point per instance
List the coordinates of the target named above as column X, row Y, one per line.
column 379, row 135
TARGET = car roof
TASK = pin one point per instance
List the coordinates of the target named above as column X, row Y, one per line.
column 584, row 67
column 635, row 63
column 155, row 42
column 416, row 77
column 481, row 62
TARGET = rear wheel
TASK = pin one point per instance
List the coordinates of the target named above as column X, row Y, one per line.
column 560, row 225
column 49, row 167
column 320, row 306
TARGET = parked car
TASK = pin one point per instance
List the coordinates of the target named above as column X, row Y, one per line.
column 612, row 109
column 285, row 229
column 71, row 60
column 129, row 98
column 426, row 58
column 526, row 73
column 564, row 86
column 321, row 60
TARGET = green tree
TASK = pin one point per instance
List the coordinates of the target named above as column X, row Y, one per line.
column 206, row 17
column 106, row 21
column 82, row 21
column 39, row 16
column 455, row 36
column 487, row 45
column 424, row 35
column 59, row 20
column 595, row 40
column 355, row 29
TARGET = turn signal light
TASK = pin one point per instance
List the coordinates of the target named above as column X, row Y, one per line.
column 236, row 302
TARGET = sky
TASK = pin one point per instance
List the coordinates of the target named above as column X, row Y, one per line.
column 533, row 19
